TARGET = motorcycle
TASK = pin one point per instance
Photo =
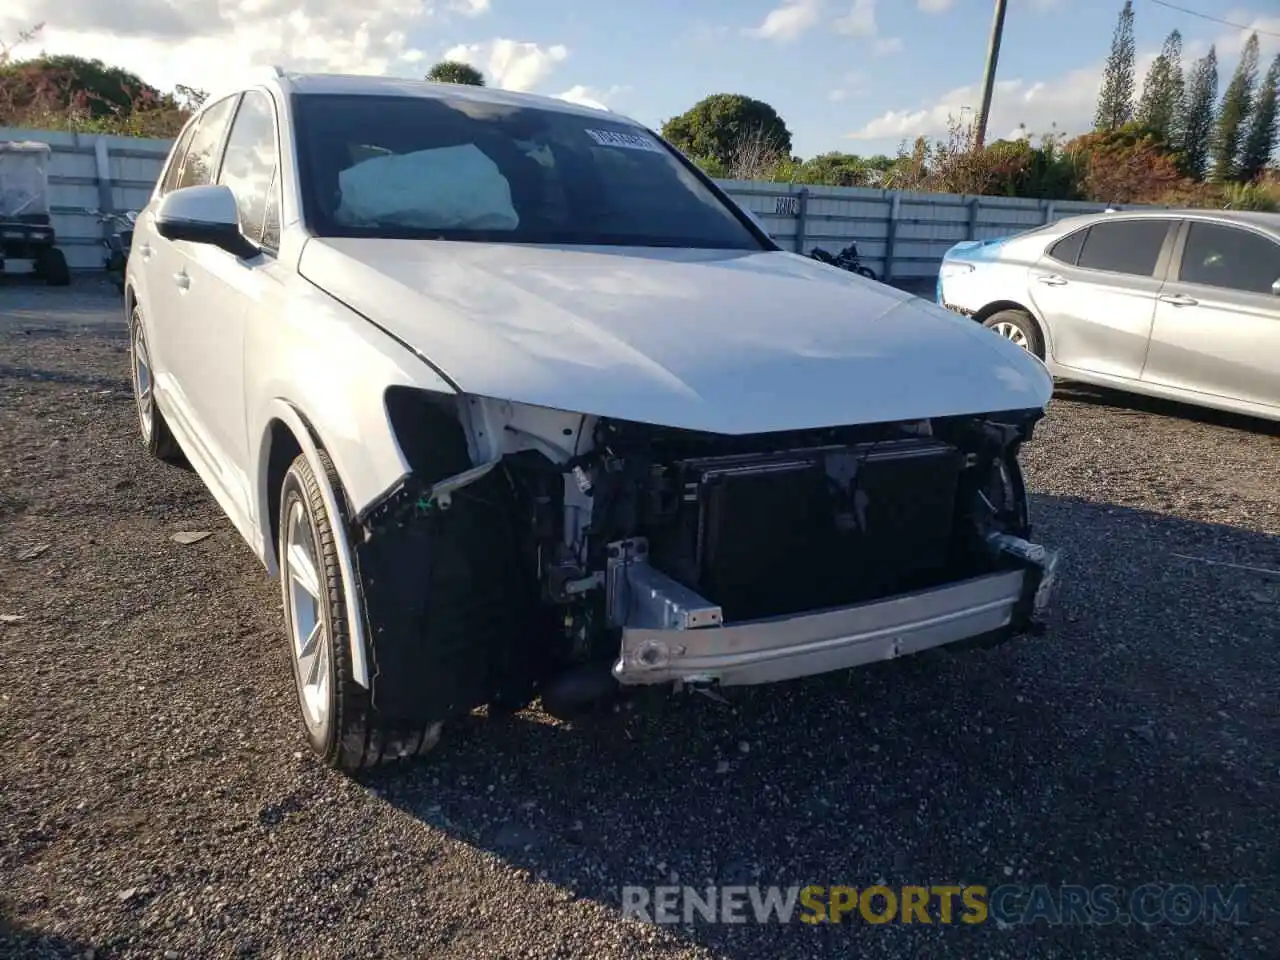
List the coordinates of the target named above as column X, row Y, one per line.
column 117, row 244
column 846, row 259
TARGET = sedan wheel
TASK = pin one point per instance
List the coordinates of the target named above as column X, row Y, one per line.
column 1017, row 327
column 1011, row 332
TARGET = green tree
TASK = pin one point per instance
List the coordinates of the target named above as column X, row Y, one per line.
column 1233, row 115
column 835, row 170
column 1160, row 108
column 1260, row 142
column 724, row 125
column 454, row 71
column 1115, row 101
column 1197, row 121
column 88, row 86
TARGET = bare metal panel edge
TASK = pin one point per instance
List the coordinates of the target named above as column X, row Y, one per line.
column 767, row 651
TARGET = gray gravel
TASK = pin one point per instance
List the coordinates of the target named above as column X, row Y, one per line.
column 155, row 800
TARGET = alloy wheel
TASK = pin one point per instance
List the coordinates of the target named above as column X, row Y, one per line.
column 1012, row 332
column 142, row 382
column 308, row 630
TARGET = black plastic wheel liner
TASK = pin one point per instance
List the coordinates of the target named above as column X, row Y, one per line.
column 450, row 606
column 450, row 613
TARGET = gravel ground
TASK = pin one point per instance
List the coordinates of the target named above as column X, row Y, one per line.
column 155, row 802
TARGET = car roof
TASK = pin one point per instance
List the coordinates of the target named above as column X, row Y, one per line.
column 1265, row 221
column 307, row 84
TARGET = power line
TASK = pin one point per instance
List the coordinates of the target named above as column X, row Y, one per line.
column 1205, row 16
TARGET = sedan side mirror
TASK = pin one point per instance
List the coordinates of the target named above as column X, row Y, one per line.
column 205, row 214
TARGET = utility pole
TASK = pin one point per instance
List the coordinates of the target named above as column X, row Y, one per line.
column 989, row 77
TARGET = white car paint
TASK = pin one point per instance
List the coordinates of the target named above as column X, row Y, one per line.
column 541, row 340
column 719, row 341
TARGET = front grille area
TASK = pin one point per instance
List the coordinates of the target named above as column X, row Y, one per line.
column 777, row 534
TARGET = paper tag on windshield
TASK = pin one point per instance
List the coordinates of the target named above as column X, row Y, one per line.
column 627, row 141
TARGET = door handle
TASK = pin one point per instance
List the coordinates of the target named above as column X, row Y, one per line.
column 1052, row 280
column 1179, row 299
column 144, row 252
column 182, row 280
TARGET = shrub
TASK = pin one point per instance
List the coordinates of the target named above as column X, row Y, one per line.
column 1126, row 165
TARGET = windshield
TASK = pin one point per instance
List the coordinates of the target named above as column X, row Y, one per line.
column 456, row 169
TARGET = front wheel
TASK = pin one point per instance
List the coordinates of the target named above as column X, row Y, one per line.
column 866, row 272
column 342, row 727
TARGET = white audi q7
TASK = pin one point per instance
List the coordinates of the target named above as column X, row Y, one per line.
column 517, row 403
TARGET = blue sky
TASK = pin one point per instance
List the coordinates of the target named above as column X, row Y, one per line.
column 856, row 75
column 827, row 84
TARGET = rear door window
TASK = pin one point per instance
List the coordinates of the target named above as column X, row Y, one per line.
column 1229, row 257
column 1068, row 248
column 1124, row 246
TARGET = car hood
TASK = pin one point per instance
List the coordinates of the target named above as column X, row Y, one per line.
column 720, row 341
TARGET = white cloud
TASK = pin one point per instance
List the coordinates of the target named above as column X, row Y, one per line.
column 789, row 21
column 1066, row 102
column 1232, row 42
column 510, row 64
column 205, row 43
column 860, row 21
column 935, row 6
column 469, row 8
column 591, row 96
column 852, row 85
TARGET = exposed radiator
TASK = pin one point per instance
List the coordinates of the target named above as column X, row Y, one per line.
column 768, row 535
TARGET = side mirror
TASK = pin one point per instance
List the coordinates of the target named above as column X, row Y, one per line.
column 205, row 214
column 1275, row 288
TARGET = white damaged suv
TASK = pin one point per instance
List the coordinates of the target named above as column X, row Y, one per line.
column 517, row 403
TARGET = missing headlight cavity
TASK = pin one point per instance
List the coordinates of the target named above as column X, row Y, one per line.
column 529, row 569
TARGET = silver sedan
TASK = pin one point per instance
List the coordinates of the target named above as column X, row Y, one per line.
column 1181, row 304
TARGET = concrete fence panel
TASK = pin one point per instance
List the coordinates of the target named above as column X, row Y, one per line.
column 900, row 234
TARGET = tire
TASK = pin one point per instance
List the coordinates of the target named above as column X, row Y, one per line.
column 51, row 265
column 341, row 725
column 1019, row 327
column 156, row 435
column 867, row 272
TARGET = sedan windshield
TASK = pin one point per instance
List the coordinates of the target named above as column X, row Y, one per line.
column 459, row 169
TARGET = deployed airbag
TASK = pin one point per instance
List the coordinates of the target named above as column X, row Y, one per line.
column 450, row 188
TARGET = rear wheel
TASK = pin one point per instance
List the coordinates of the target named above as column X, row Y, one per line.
column 156, row 436
column 1018, row 327
column 342, row 726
